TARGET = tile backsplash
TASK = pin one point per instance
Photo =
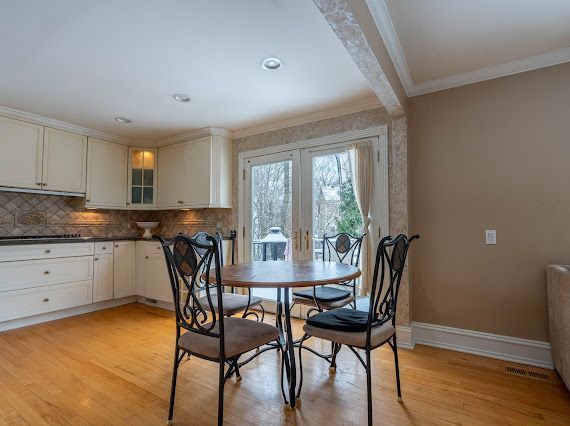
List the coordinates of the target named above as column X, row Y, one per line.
column 35, row 214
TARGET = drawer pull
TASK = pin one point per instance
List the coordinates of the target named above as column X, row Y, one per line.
column 146, row 257
column 117, row 246
column 46, row 272
column 96, row 259
column 103, row 248
column 46, row 299
column 47, row 251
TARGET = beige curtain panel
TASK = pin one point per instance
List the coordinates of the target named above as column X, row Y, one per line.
column 362, row 178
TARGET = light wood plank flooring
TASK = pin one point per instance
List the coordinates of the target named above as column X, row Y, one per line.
column 114, row 367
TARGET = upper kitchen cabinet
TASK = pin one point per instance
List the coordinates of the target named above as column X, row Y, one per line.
column 106, row 175
column 170, row 177
column 21, row 156
column 142, row 178
column 64, row 161
column 196, row 174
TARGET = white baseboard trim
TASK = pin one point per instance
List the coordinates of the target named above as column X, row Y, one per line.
column 405, row 337
column 513, row 349
column 51, row 316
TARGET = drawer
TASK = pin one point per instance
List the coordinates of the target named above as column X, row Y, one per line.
column 37, row 273
column 45, row 251
column 149, row 247
column 104, row 247
column 34, row 301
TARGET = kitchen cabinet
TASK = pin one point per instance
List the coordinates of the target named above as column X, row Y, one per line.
column 170, row 176
column 102, row 277
column 195, row 174
column 124, row 269
column 141, row 179
column 64, row 161
column 152, row 277
column 106, row 175
column 21, row 156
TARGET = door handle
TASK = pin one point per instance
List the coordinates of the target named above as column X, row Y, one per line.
column 295, row 240
column 307, row 240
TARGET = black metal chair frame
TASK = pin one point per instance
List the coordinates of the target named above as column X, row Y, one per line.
column 247, row 312
column 382, row 308
column 194, row 272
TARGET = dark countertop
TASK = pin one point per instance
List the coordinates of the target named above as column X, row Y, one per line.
column 17, row 242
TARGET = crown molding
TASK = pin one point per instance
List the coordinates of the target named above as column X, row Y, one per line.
column 61, row 125
column 530, row 63
column 383, row 21
column 354, row 107
column 381, row 17
column 194, row 134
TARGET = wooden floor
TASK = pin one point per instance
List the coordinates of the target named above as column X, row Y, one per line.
column 114, row 367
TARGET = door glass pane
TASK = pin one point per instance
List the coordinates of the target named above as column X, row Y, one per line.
column 148, row 177
column 334, row 204
column 137, row 177
column 136, row 194
column 271, row 208
column 147, row 195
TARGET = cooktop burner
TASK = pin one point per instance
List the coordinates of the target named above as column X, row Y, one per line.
column 40, row 237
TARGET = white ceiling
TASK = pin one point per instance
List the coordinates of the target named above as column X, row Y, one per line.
column 444, row 43
column 86, row 62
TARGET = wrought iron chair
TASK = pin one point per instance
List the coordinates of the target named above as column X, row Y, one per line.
column 342, row 248
column 234, row 303
column 366, row 330
column 211, row 337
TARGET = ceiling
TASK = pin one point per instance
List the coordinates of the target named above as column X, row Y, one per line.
column 437, row 44
column 86, row 62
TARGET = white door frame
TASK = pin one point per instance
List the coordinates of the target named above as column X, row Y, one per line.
column 379, row 226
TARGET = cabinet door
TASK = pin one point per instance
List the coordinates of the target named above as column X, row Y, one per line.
column 64, row 161
column 156, row 280
column 124, row 269
column 196, row 174
column 20, row 161
column 141, row 193
column 170, row 176
column 106, row 174
column 102, row 277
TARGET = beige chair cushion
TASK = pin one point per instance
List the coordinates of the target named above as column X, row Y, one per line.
column 378, row 335
column 232, row 303
column 241, row 335
column 324, row 305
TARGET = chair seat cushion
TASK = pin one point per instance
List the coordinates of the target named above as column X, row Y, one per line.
column 241, row 335
column 378, row 335
column 341, row 319
column 326, row 294
column 324, row 304
column 232, row 303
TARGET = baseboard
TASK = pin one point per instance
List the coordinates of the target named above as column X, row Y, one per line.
column 405, row 337
column 52, row 316
column 156, row 303
column 513, row 349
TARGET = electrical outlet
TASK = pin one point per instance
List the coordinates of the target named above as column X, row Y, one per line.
column 490, row 236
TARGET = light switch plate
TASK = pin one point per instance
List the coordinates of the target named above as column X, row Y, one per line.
column 490, row 236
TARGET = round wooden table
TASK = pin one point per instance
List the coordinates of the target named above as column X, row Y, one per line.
column 283, row 275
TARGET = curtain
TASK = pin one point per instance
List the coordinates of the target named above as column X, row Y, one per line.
column 361, row 156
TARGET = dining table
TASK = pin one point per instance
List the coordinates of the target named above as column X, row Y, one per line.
column 284, row 276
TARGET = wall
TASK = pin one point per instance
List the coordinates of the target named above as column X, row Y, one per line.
column 493, row 155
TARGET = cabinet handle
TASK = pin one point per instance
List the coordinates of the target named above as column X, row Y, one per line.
column 117, row 246
column 104, row 248
column 128, row 204
column 96, row 259
column 88, row 200
column 307, row 240
column 47, row 251
column 39, row 183
column 46, row 299
column 46, row 272
column 146, row 257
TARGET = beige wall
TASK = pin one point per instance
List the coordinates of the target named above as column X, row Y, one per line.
column 493, row 155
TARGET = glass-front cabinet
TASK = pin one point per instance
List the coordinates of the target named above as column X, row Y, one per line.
column 142, row 178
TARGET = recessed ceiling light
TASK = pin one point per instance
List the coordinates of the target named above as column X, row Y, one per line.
column 271, row 63
column 122, row 120
column 181, row 97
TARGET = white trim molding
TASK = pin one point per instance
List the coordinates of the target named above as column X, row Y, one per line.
column 381, row 17
column 195, row 134
column 354, row 107
column 61, row 125
column 513, row 349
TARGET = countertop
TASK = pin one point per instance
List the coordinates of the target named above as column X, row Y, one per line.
column 17, row 242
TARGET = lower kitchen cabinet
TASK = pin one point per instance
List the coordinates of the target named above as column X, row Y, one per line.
column 124, row 269
column 152, row 277
column 102, row 277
